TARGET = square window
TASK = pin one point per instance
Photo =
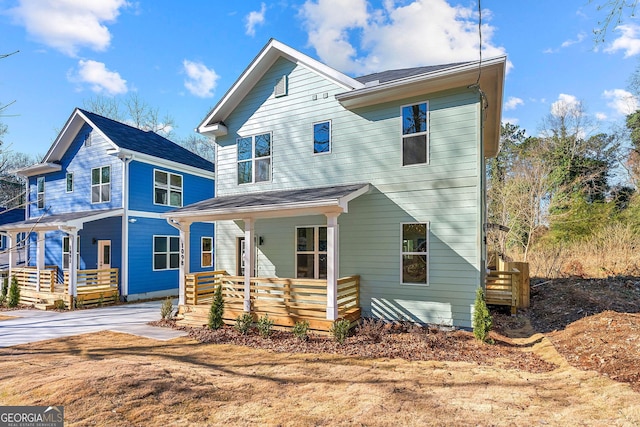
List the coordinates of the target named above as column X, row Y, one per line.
column 167, row 188
column 254, row 158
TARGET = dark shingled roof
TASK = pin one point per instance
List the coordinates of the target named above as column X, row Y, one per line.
column 146, row 142
column 57, row 219
column 272, row 198
column 391, row 75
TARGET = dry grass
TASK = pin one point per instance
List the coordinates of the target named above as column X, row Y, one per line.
column 610, row 251
column 121, row 380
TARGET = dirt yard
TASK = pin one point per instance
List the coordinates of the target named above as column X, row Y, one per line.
column 582, row 370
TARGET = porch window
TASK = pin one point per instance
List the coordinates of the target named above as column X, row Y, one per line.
column 69, row 182
column 207, row 252
column 101, row 184
column 166, row 252
column 311, row 252
column 254, row 158
column 66, row 253
column 415, row 253
column 40, row 191
column 167, row 188
column 415, row 134
column 322, row 137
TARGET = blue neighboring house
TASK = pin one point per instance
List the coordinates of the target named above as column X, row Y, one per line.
column 105, row 185
column 8, row 216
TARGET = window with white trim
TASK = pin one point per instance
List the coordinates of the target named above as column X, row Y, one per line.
column 167, row 188
column 311, row 252
column 207, row 252
column 66, row 252
column 322, row 137
column 101, row 184
column 40, row 191
column 166, row 252
column 415, row 253
column 415, row 134
column 254, row 158
column 69, row 181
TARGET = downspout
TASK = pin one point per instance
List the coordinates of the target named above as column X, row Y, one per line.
column 124, row 270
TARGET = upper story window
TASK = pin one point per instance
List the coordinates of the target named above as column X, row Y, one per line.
column 254, row 158
column 69, row 182
column 322, row 137
column 415, row 253
column 101, row 184
column 415, row 134
column 40, row 190
column 167, row 188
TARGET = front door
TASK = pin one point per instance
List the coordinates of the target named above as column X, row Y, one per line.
column 104, row 254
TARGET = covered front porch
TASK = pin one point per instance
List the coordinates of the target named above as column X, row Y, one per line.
column 320, row 297
column 49, row 286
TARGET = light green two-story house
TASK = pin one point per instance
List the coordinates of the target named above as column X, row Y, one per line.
column 381, row 177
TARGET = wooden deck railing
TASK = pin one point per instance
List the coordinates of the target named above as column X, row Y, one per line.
column 95, row 287
column 305, row 298
column 508, row 285
column 27, row 278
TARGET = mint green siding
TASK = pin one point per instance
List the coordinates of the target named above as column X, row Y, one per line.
column 366, row 147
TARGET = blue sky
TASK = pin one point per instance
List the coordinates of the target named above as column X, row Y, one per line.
column 181, row 57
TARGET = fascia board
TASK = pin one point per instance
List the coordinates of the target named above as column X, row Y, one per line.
column 157, row 161
column 38, row 169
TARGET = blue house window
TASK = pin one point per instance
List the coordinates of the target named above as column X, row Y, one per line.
column 40, row 190
column 322, row 137
column 415, row 134
column 415, row 253
column 167, row 189
column 101, row 184
column 254, row 158
column 207, row 252
column 69, row 182
column 166, row 252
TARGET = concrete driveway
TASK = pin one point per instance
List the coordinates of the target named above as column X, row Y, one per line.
column 36, row 325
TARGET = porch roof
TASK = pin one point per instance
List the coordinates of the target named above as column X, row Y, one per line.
column 65, row 221
column 272, row 204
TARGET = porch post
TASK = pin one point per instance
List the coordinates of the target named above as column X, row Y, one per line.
column 73, row 263
column 11, row 241
column 249, row 224
column 39, row 257
column 185, row 260
column 332, row 266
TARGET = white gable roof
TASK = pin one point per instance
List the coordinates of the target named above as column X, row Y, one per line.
column 254, row 72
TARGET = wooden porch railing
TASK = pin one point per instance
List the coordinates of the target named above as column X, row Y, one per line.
column 278, row 297
column 27, row 278
column 508, row 285
column 95, row 287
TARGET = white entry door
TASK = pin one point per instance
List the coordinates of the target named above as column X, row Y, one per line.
column 104, row 254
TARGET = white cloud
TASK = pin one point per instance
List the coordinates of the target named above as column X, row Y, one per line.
column 201, row 81
column 570, row 42
column 601, row 116
column 511, row 120
column 255, row 18
column 512, row 103
column 621, row 101
column 564, row 104
column 68, row 25
column 629, row 41
column 355, row 38
column 99, row 78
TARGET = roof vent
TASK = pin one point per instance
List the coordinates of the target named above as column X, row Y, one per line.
column 281, row 87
